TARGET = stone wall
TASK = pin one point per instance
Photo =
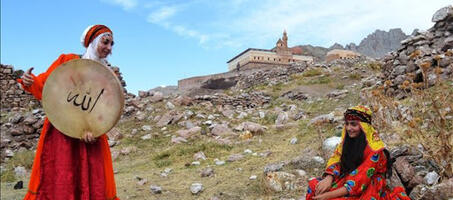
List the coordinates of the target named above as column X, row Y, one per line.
column 13, row 96
column 424, row 50
column 259, row 65
column 197, row 82
column 250, row 69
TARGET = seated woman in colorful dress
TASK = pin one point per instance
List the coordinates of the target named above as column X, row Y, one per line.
column 359, row 165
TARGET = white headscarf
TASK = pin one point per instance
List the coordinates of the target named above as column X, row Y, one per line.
column 91, row 51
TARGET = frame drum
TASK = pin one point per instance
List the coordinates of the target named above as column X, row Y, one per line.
column 83, row 95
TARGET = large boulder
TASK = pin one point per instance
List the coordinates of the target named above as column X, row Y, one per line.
column 442, row 14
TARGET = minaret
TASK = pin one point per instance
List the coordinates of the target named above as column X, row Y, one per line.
column 285, row 39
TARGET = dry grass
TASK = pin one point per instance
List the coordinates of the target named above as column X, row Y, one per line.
column 424, row 117
column 231, row 181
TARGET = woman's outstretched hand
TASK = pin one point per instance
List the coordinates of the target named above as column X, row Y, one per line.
column 324, row 185
column 28, row 78
column 88, row 137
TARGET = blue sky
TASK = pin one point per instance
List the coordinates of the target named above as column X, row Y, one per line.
column 160, row 42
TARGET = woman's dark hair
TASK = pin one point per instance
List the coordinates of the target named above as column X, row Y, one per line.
column 390, row 161
column 352, row 155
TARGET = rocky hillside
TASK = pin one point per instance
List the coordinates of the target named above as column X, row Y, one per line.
column 375, row 45
column 266, row 136
column 319, row 53
column 379, row 43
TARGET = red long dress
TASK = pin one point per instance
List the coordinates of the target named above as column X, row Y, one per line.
column 365, row 182
column 68, row 168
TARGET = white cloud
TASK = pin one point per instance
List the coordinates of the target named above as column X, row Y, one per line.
column 329, row 21
column 125, row 4
column 258, row 23
column 162, row 14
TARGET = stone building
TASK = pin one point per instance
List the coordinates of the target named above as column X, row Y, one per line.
column 280, row 55
column 341, row 54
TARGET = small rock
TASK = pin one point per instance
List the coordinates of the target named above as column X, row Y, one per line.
column 282, row 118
column 9, row 153
column 253, row 177
column 195, row 163
column 156, row 97
column 207, row 172
column 322, row 119
column 128, row 150
column 36, row 111
column 189, row 133
column 200, row 116
column 16, row 118
column 146, row 128
column 265, row 154
column 293, row 141
column 273, row 167
column 248, row 151
column 183, row 101
column 140, row 116
column 142, row 182
column 178, row 140
column 146, row 137
column 20, row 171
column 330, row 144
column 219, row 162
column 228, row 113
column 431, row 178
column 262, row 114
column 155, row 189
column 19, row 185
column 242, row 115
column 280, row 181
column 235, row 157
column 221, row 130
column 301, row 173
column 199, row 156
column 142, row 94
column 170, row 106
column 318, row 159
column 29, row 120
column 404, row 169
column 196, row 188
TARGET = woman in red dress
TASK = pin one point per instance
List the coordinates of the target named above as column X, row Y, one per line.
column 358, row 167
column 64, row 167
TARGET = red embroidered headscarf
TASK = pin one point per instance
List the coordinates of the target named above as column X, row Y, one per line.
column 92, row 32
